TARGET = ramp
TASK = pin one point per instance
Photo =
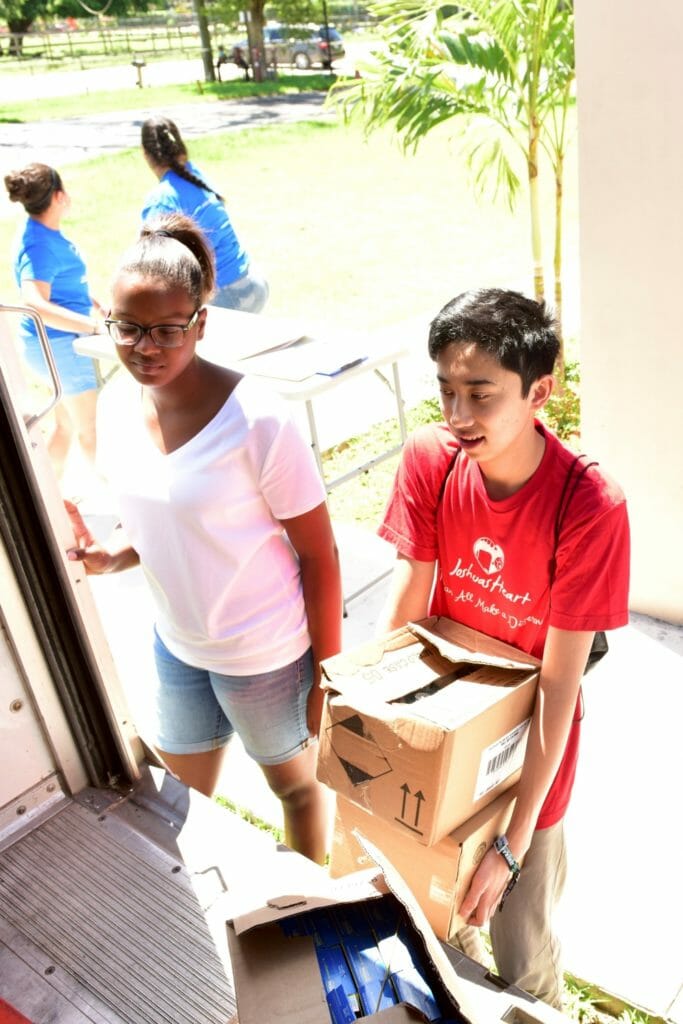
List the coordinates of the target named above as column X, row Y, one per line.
column 104, row 924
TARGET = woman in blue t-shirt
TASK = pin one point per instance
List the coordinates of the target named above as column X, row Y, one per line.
column 51, row 276
column 183, row 189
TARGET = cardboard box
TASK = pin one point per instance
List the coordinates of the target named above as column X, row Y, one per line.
column 278, row 978
column 438, row 876
column 426, row 726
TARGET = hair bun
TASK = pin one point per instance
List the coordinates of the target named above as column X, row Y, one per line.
column 17, row 186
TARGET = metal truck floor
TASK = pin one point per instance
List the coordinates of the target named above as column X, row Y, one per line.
column 105, row 911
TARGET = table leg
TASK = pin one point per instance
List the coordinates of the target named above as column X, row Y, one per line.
column 399, row 402
column 315, row 444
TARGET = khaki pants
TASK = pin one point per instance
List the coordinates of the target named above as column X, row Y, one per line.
column 526, row 951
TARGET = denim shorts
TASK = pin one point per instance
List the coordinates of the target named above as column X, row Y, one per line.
column 248, row 293
column 77, row 373
column 199, row 710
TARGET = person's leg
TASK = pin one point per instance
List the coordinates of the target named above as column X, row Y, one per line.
column 192, row 731
column 82, row 409
column 469, row 941
column 525, row 948
column 303, row 802
column 59, row 439
column 199, row 771
column 268, row 712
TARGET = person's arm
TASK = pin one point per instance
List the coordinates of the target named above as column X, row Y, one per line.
column 564, row 660
column 408, row 600
column 311, row 537
column 97, row 559
column 36, row 294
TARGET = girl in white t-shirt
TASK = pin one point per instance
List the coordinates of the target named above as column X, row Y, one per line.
column 223, row 507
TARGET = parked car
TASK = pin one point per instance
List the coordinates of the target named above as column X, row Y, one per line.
column 302, row 47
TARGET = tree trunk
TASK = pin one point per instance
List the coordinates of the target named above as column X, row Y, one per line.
column 257, row 48
column 535, row 210
column 205, row 39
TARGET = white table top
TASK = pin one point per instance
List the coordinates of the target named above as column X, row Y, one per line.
column 299, row 365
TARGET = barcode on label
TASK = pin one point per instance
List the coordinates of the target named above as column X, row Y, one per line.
column 501, row 759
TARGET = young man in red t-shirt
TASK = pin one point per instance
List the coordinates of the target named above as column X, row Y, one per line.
column 498, row 526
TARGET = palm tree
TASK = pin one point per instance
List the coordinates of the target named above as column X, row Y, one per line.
column 504, row 67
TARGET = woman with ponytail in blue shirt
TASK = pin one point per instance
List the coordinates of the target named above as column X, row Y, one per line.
column 183, row 189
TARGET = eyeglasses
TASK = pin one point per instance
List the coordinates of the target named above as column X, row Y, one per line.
column 163, row 335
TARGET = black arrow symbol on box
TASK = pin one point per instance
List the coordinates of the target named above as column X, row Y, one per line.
column 419, row 796
column 406, row 793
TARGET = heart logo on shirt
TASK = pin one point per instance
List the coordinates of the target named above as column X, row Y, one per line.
column 489, row 555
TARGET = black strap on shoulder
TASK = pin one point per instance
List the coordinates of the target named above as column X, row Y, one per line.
column 572, row 480
column 599, row 647
column 449, row 470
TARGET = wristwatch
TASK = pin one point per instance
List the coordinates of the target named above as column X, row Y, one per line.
column 502, row 847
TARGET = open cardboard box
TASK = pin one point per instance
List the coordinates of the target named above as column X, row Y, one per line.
column 275, row 965
column 438, row 876
column 427, row 725
column 277, row 977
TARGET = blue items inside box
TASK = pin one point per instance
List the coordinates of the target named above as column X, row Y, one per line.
column 369, row 959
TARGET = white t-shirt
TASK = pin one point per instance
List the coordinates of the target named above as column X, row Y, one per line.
column 204, row 521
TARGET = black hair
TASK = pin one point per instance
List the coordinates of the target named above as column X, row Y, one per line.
column 519, row 332
column 163, row 144
column 174, row 249
column 33, row 187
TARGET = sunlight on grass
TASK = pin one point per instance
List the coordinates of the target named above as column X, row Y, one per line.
column 156, row 97
column 350, row 232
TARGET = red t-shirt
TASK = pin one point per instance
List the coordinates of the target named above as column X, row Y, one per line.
column 494, row 556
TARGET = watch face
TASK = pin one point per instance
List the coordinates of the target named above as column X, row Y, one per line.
column 501, row 846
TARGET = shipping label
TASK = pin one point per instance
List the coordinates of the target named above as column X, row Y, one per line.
column 501, row 758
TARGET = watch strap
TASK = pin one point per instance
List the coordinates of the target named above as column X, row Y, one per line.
column 502, row 847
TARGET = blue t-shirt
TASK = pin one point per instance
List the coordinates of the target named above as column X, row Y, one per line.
column 43, row 254
column 174, row 194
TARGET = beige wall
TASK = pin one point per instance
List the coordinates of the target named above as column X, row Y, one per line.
column 630, row 105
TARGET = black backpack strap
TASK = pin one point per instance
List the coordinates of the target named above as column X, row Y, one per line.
column 451, row 464
column 599, row 646
column 571, row 482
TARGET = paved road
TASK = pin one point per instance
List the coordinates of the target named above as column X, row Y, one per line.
column 76, row 138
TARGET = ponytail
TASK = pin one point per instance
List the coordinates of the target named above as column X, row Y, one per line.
column 174, row 249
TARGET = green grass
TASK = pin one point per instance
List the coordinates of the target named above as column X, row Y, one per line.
column 362, row 499
column 132, row 99
column 351, row 233
column 246, row 815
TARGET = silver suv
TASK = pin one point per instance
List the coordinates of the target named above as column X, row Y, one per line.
column 302, row 47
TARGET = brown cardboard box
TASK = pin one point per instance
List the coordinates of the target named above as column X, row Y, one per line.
column 278, row 979
column 426, row 726
column 438, row 876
